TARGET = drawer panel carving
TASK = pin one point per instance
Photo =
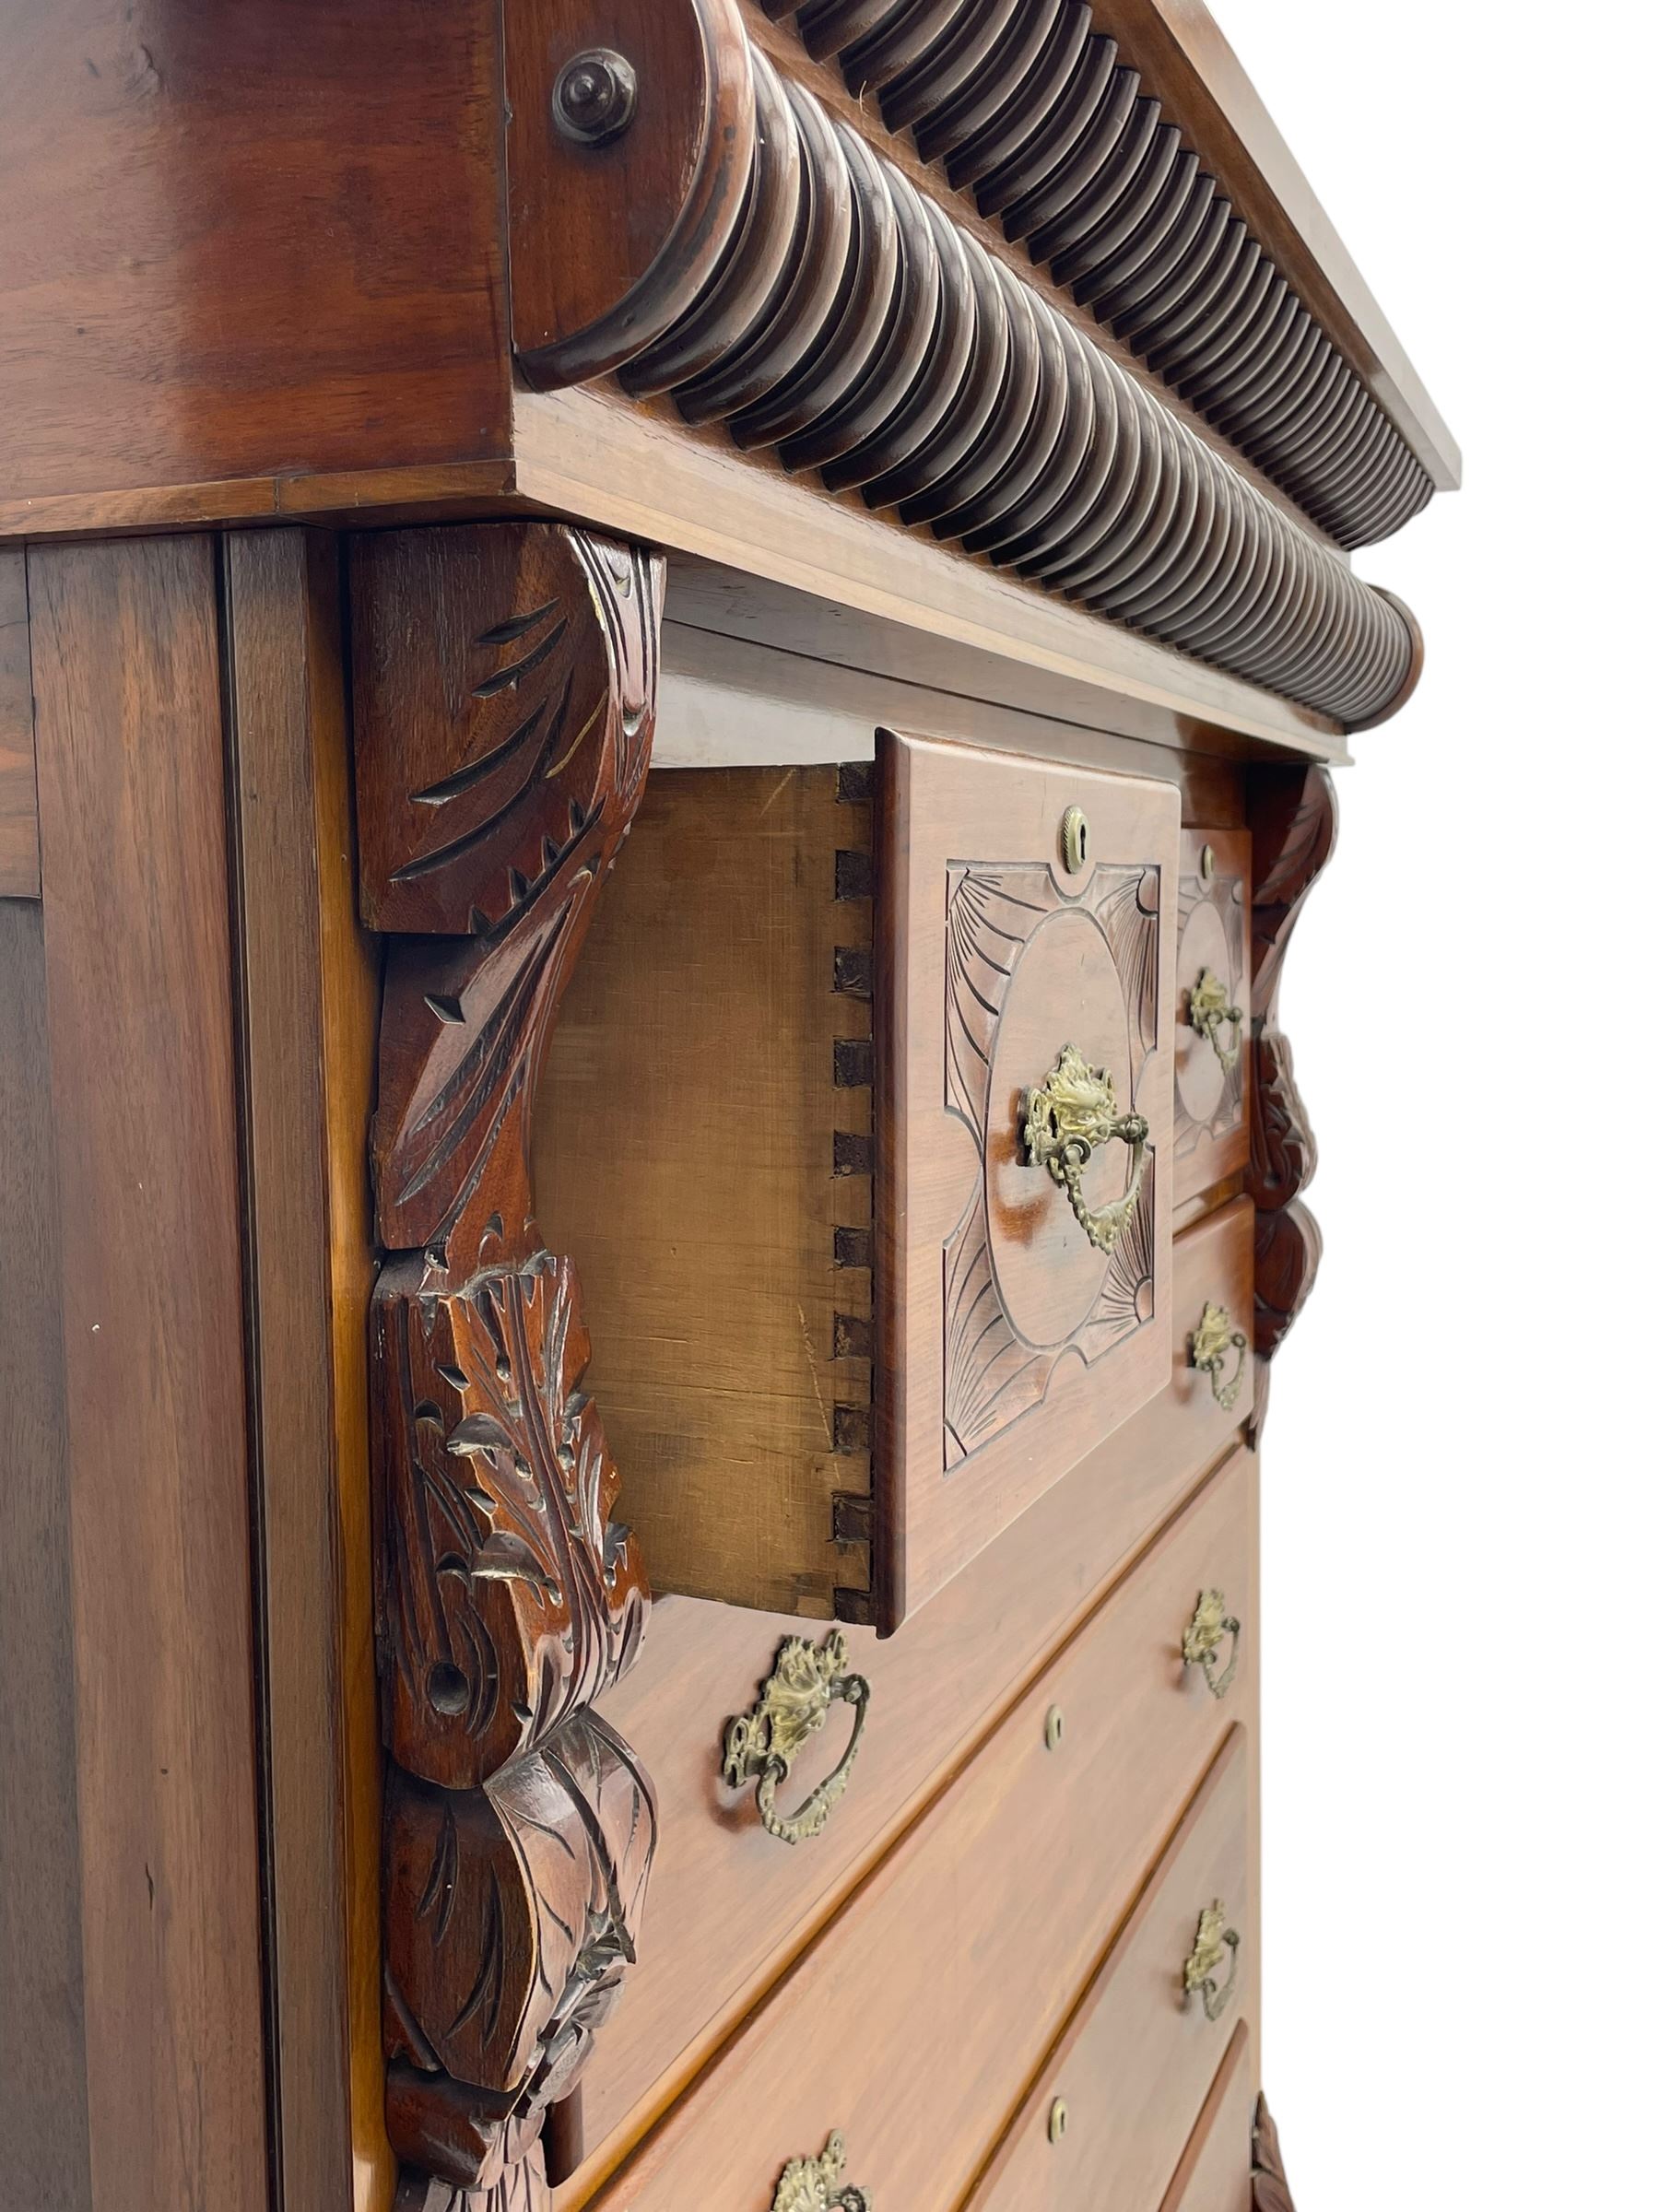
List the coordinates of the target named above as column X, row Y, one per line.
column 1011, row 1882
column 857, row 1124
column 1212, row 1011
column 728, row 1901
column 1132, row 2071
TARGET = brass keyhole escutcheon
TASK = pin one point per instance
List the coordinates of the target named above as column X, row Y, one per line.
column 1058, row 2119
column 1054, row 1728
column 1074, row 841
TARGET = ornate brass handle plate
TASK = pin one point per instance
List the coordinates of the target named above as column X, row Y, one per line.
column 1207, row 1349
column 1209, row 1013
column 1209, row 1628
column 1213, row 1943
column 810, row 2184
column 1071, row 1110
column 794, row 1701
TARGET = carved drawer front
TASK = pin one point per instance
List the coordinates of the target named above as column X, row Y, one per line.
column 1214, row 2173
column 914, row 2017
column 857, row 1124
column 728, row 1900
column 1107, row 2121
column 1212, row 1010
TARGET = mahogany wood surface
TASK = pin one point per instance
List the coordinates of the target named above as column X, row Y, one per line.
column 19, row 813
column 1212, row 1101
column 45, row 2148
column 244, row 243
column 1214, row 2173
column 852, row 2037
column 731, row 1904
column 646, row 213
column 308, row 991
column 145, row 1152
column 1007, row 1344
column 796, row 558
column 1133, row 2066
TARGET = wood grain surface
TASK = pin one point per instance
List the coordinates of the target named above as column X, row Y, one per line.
column 44, row 2127
column 882, row 2028
column 244, row 244
column 1214, row 2173
column 143, row 1055
column 734, row 1904
column 1087, row 1342
column 1135, row 2064
column 19, row 813
column 731, row 1324
column 309, row 990
column 587, row 452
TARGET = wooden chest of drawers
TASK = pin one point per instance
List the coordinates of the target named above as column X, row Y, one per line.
column 668, row 679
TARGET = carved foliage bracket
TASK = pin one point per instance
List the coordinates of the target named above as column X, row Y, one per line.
column 504, row 693
column 1293, row 833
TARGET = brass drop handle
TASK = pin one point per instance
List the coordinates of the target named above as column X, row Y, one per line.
column 810, row 2184
column 1208, row 1350
column 1214, row 1942
column 794, row 1701
column 1209, row 1014
column 1211, row 1626
column 1070, row 1111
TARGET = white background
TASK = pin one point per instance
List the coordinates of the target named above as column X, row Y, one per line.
column 1461, row 1582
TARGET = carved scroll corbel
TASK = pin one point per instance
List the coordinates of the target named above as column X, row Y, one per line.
column 1293, row 833
column 504, row 695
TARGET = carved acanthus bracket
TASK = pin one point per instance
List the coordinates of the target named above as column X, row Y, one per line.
column 504, row 698
column 1269, row 2191
column 1293, row 832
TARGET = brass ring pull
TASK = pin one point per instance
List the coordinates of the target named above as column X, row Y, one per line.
column 1213, row 1942
column 794, row 1701
column 1209, row 1014
column 1207, row 1348
column 1071, row 1110
column 1210, row 1625
column 810, row 2184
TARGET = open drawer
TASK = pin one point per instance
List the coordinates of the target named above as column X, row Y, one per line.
column 857, row 1124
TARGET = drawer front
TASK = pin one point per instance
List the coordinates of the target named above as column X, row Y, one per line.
column 1214, row 2173
column 728, row 1901
column 1025, row 959
column 913, row 2017
column 1212, row 1010
column 846, row 1329
column 1132, row 2071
